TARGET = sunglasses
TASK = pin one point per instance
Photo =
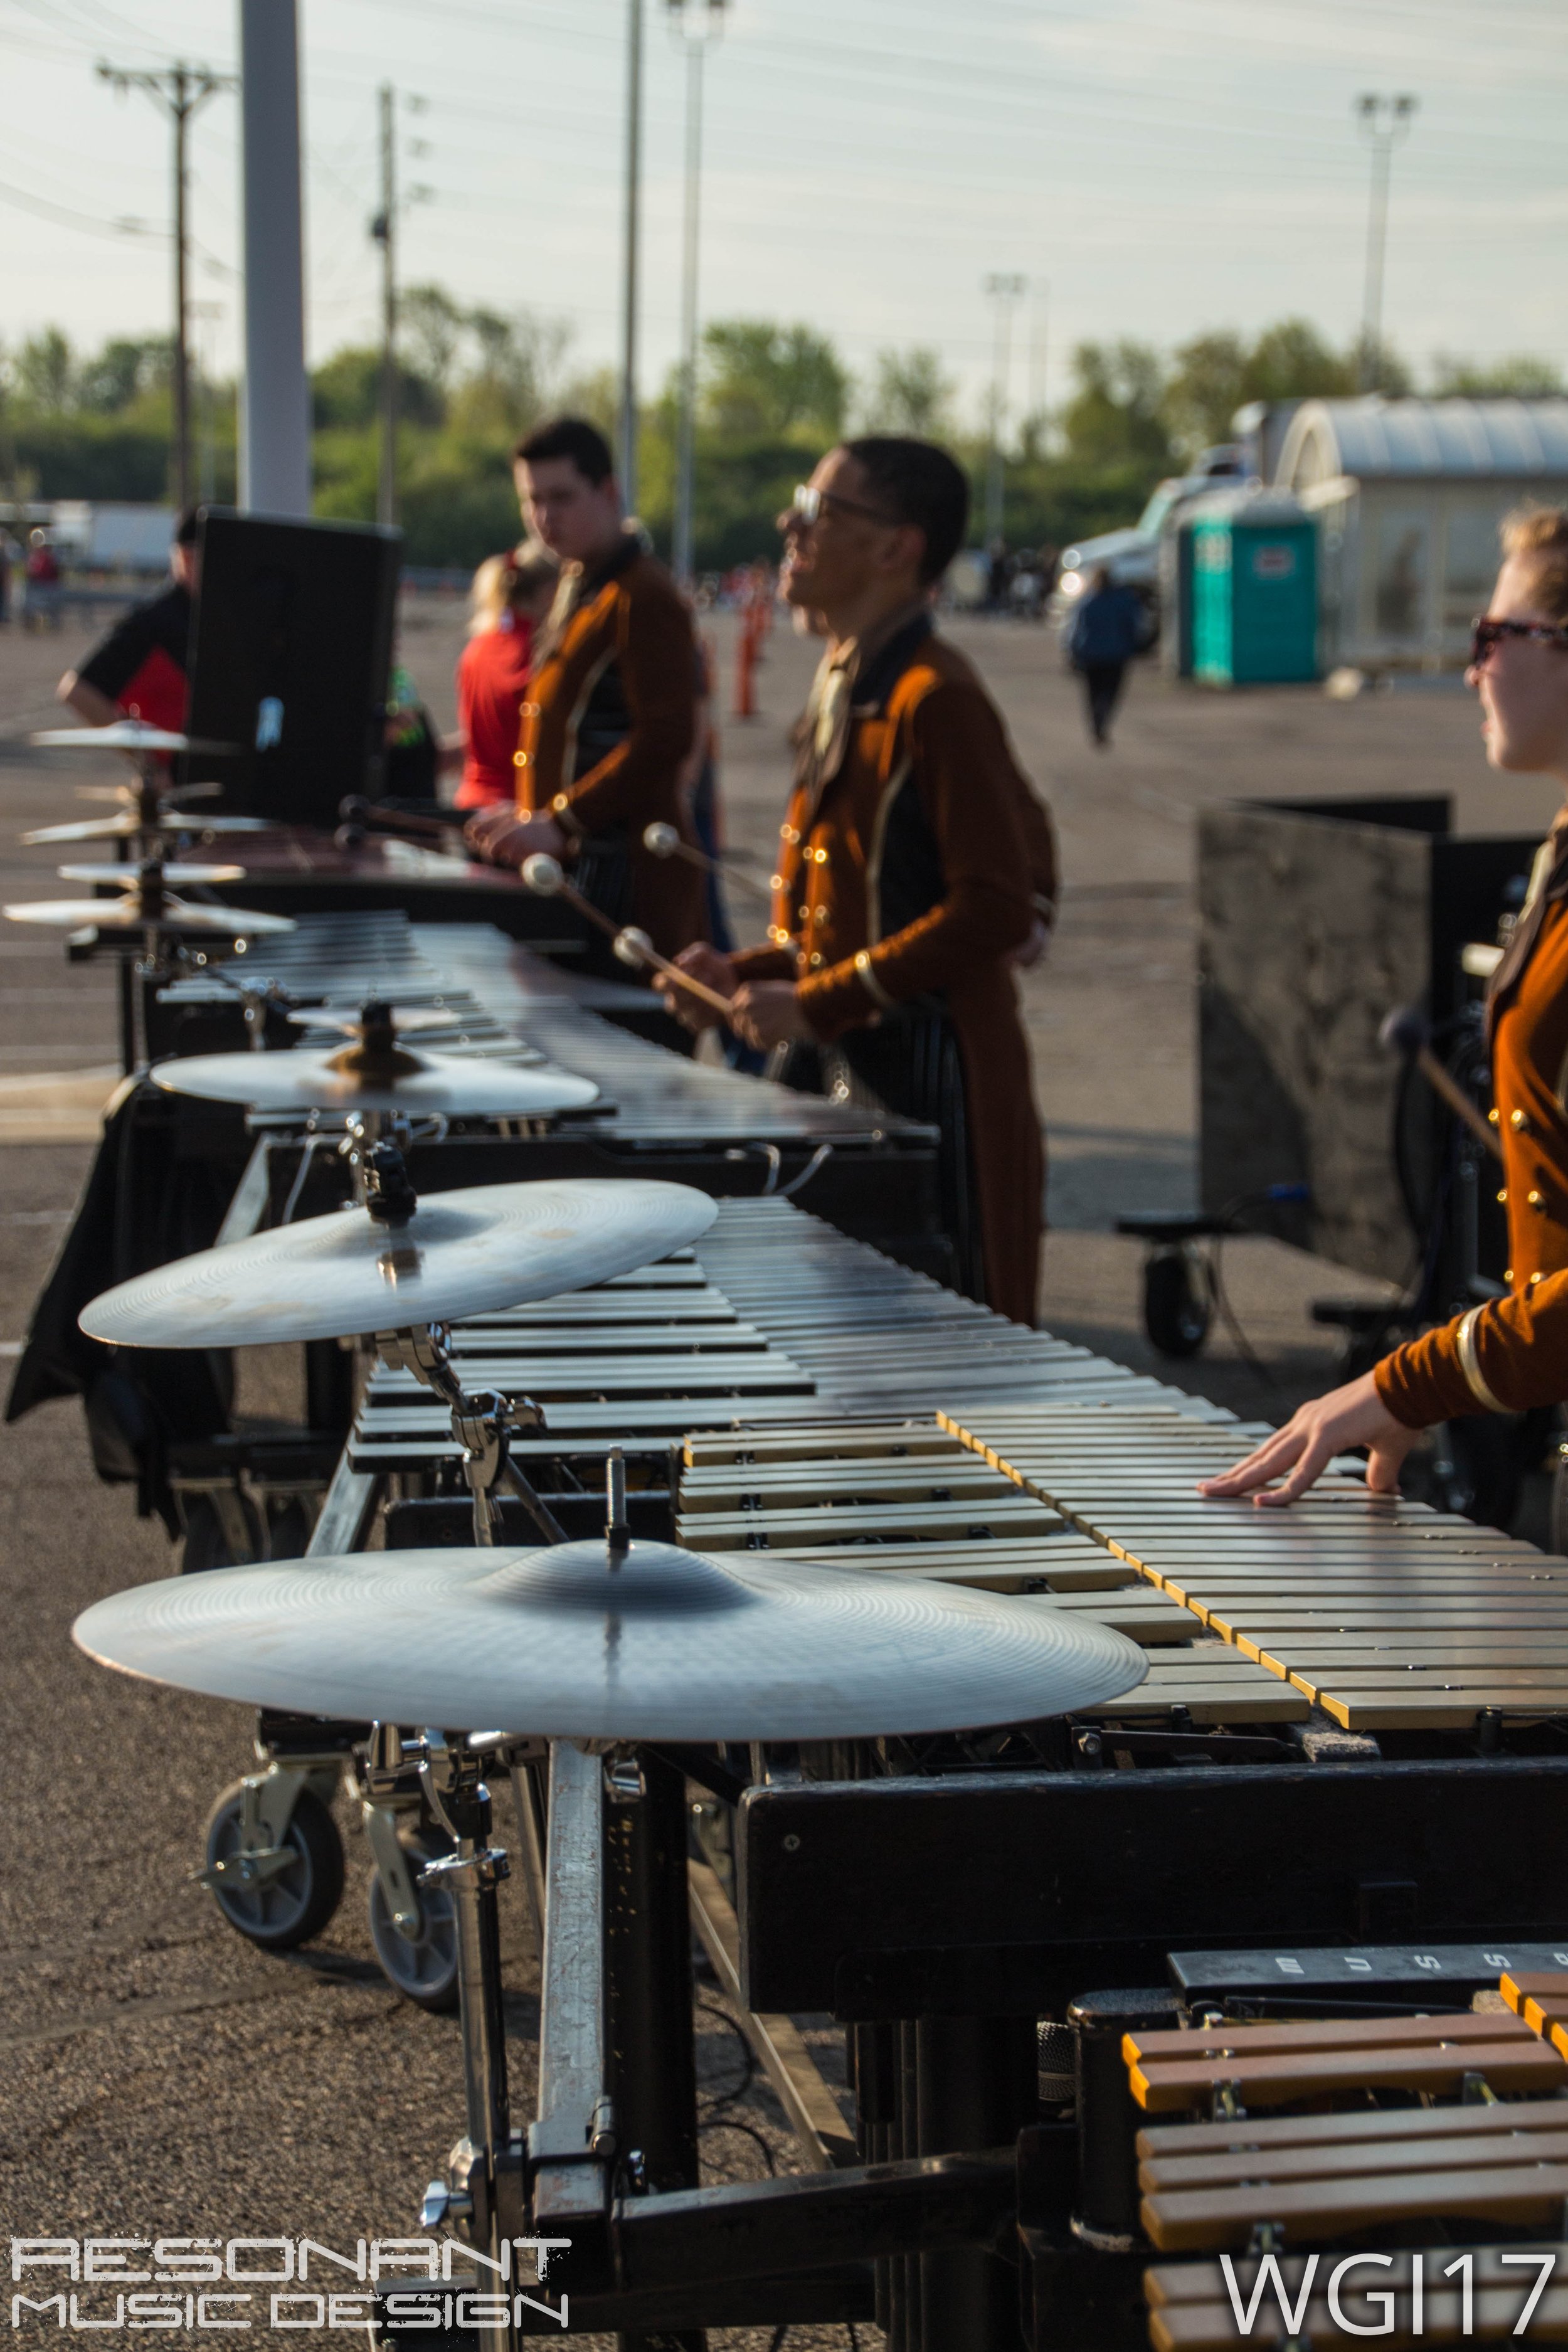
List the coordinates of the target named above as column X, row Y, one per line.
column 1486, row 632
column 809, row 505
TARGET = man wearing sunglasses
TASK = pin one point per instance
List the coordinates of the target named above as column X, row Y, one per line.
column 1510, row 1353
column 908, row 862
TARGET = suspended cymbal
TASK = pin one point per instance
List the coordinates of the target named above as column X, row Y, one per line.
column 128, row 823
column 422, row 1086
column 126, row 915
column 577, row 1642
column 176, row 871
column 351, row 1019
column 460, row 1253
column 129, row 735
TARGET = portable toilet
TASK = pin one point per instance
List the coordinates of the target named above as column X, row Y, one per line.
column 1254, row 590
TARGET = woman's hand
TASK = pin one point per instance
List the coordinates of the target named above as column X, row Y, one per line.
column 1298, row 1453
column 767, row 1012
column 506, row 838
column 715, row 971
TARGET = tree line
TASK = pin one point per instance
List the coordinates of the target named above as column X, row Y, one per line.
column 771, row 397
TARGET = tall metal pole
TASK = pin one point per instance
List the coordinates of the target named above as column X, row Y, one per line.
column 275, row 395
column 1004, row 289
column 694, row 34
column 384, row 229
column 628, row 453
column 180, row 89
column 1385, row 122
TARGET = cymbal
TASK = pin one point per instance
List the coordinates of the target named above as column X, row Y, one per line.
column 126, row 735
column 577, row 1642
column 127, row 876
column 460, row 1253
column 350, row 1020
column 422, row 1086
column 124, row 826
column 125, row 915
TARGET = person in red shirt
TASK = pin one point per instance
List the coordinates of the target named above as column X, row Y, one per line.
column 511, row 595
column 141, row 668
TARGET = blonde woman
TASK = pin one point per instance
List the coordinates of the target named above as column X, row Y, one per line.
column 510, row 597
column 1512, row 1353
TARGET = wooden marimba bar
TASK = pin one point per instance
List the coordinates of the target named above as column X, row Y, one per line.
column 1388, row 1616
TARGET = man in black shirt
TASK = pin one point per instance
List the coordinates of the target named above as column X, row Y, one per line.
column 141, row 669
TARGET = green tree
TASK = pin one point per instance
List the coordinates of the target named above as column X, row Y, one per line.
column 123, row 372
column 909, row 394
column 763, row 381
column 1520, row 377
column 1115, row 416
column 345, row 392
column 430, row 330
column 45, row 373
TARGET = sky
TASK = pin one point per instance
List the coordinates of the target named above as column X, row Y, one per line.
column 1153, row 168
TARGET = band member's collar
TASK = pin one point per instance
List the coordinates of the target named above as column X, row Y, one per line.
column 877, row 661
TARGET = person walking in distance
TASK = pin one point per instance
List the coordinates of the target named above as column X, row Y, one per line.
column 1107, row 627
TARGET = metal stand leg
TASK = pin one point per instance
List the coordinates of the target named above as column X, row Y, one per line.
column 461, row 1802
column 647, row 1938
column 978, row 2087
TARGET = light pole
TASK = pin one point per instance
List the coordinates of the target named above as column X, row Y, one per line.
column 179, row 91
column 274, row 396
column 696, row 27
column 1005, row 287
column 1385, row 122
column 628, row 459
column 384, row 231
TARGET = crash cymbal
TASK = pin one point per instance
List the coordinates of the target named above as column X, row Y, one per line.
column 350, row 1020
column 460, row 1253
column 126, row 915
column 582, row 1642
column 421, row 1086
column 128, row 824
column 127, row 876
column 129, row 735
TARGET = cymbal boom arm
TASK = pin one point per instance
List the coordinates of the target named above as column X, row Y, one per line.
column 481, row 1427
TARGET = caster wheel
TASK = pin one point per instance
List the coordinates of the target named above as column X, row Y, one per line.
column 424, row 1972
column 289, row 1908
column 1176, row 1311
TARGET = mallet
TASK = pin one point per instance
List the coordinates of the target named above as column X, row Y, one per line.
column 545, row 879
column 362, row 816
column 1406, row 1033
column 663, row 841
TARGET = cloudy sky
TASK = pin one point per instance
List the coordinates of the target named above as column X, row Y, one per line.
column 1152, row 167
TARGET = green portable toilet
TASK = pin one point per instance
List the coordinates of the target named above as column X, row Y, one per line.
column 1254, row 590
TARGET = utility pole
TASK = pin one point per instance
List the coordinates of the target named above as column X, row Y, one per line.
column 275, row 392
column 181, row 91
column 1038, row 347
column 628, row 457
column 1005, row 287
column 1386, row 123
column 383, row 229
column 694, row 32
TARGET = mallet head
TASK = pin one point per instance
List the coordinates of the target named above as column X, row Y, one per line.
column 634, row 947
column 1405, row 1030
column 543, row 875
column 662, row 839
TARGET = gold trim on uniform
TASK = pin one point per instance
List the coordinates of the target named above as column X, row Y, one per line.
column 872, row 985
column 1469, row 1364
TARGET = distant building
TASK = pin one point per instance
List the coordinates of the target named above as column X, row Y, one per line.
column 1408, row 495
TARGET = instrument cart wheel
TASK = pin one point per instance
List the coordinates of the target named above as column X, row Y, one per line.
column 423, row 1970
column 288, row 1905
column 1176, row 1306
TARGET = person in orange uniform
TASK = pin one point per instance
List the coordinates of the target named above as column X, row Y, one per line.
column 1512, row 1353
column 611, row 711
column 906, row 875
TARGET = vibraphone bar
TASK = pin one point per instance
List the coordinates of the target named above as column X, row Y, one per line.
column 1387, row 1616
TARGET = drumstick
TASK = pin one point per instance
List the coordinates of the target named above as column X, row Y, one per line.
column 354, row 811
column 663, row 841
column 1407, row 1033
column 545, row 879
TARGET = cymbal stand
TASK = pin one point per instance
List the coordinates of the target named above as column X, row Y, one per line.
column 482, row 1426
column 481, row 2191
